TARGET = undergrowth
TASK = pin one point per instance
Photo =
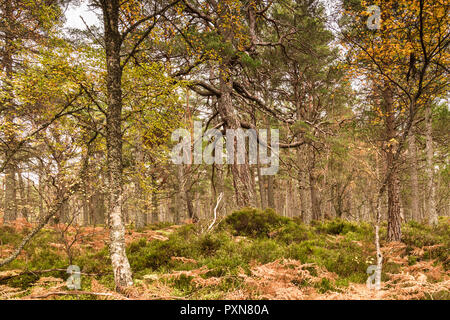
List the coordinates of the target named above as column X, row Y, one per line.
column 245, row 239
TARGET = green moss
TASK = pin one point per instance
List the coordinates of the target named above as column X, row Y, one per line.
column 342, row 227
column 325, row 285
column 264, row 251
column 293, row 232
column 183, row 284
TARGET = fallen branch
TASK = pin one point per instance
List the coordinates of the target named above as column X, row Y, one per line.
column 36, row 272
column 71, row 293
column 54, row 211
column 156, row 297
column 215, row 212
column 41, row 224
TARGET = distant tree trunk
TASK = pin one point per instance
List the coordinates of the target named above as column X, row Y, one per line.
column 23, row 199
column 10, row 194
column 155, row 204
column 179, row 201
column 97, row 208
column 305, row 196
column 140, row 213
column 313, row 186
column 113, row 42
column 262, row 188
column 85, row 202
column 270, row 192
column 415, row 196
column 431, row 190
column 217, row 188
column 28, row 200
column 302, row 161
column 270, row 179
column 394, row 217
column 10, row 168
column 41, row 190
column 187, row 182
column 85, row 207
column 315, row 201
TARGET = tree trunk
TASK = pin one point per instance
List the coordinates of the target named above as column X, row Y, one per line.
column 120, row 264
column 187, row 194
column 179, row 204
column 262, row 188
column 242, row 181
column 10, row 194
column 415, row 213
column 315, row 201
column 97, row 209
column 270, row 192
column 313, row 186
column 10, row 168
column 141, row 215
column 394, row 218
column 155, row 204
column 305, row 196
column 23, row 212
column 85, row 202
column 431, row 190
column 244, row 187
column 41, row 190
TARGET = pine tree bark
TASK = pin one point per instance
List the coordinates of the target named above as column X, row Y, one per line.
column 313, row 186
column 10, row 194
column 187, row 194
column 314, row 193
column 394, row 217
column 23, row 212
column 179, row 201
column 155, row 202
column 415, row 212
column 431, row 190
column 305, row 196
column 243, row 184
column 141, row 215
column 10, row 168
column 270, row 192
column 41, row 189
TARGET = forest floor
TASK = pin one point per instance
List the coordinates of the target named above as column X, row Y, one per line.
column 249, row 255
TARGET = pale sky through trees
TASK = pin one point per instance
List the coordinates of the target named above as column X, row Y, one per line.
column 74, row 14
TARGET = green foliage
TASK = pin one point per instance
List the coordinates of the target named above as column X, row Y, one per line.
column 157, row 254
column 95, row 262
column 325, row 285
column 264, row 251
column 294, row 232
column 339, row 227
column 339, row 246
column 8, row 235
column 184, row 284
column 424, row 236
column 255, row 222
